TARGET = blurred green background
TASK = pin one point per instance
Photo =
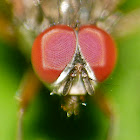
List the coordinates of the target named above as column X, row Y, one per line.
column 45, row 121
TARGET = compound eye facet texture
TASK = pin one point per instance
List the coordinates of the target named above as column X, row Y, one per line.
column 52, row 51
column 99, row 50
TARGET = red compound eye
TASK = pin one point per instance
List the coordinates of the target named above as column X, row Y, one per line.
column 54, row 48
column 52, row 51
column 98, row 49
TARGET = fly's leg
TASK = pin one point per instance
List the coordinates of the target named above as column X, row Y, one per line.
column 27, row 90
column 106, row 107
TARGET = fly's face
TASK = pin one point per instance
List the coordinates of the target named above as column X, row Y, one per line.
column 73, row 56
column 73, row 61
